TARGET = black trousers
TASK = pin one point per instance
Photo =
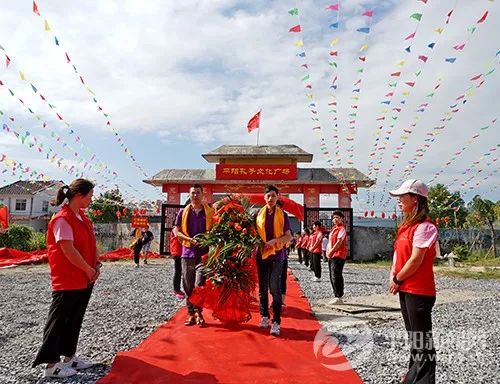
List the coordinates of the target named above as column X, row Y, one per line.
column 60, row 336
column 177, row 273
column 336, row 266
column 270, row 280
column 307, row 256
column 416, row 311
column 299, row 253
column 316, row 264
column 284, row 275
column 137, row 253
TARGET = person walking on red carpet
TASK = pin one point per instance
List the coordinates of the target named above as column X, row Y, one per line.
column 336, row 253
column 74, row 267
column 273, row 227
column 412, row 277
column 194, row 219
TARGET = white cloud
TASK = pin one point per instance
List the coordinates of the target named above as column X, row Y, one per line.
column 190, row 74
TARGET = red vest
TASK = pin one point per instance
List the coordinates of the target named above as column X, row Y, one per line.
column 317, row 235
column 305, row 242
column 66, row 276
column 175, row 245
column 341, row 253
column 422, row 281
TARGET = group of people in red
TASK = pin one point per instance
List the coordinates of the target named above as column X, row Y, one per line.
column 317, row 245
column 75, row 267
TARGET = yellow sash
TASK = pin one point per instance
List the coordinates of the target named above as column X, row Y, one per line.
column 278, row 225
column 209, row 213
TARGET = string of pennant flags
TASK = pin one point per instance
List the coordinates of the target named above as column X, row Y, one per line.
column 92, row 94
column 459, row 152
column 438, row 130
column 356, row 87
column 376, row 166
column 101, row 166
column 306, row 79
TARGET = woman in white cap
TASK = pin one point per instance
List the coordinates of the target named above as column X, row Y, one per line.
column 413, row 278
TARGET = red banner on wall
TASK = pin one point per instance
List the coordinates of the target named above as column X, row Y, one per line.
column 139, row 222
column 255, row 172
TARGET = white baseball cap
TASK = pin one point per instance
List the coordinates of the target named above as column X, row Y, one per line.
column 411, row 186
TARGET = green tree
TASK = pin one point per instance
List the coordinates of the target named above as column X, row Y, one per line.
column 443, row 203
column 108, row 203
column 484, row 212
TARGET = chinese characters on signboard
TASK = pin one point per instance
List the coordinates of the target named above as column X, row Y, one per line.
column 255, row 172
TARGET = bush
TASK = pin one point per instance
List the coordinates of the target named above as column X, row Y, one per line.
column 17, row 237
column 460, row 250
column 38, row 241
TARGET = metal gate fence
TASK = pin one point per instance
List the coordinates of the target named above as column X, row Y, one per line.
column 168, row 214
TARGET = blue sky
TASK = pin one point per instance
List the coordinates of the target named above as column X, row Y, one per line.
column 178, row 79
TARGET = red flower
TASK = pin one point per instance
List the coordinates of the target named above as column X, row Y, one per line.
column 238, row 227
column 244, row 231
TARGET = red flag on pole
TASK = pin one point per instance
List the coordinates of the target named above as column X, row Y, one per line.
column 254, row 122
column 35, row 9
column 295, row 29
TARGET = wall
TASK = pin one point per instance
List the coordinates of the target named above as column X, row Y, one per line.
column 111, row 236
column 371, row 243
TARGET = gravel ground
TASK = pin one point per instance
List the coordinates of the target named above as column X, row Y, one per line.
column 465, row 333
column 129, row 303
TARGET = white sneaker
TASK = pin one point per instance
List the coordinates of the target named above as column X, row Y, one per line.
column 78, row 363
column 275, row 329
column 316, row 279
column 337, row 301
column 264, row 322
column 59, row 370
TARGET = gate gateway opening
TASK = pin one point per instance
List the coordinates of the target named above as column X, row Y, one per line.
column 249, row 168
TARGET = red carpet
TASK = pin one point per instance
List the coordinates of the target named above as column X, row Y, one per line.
column 175, row 353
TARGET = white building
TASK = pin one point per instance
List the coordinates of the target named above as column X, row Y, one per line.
column 29, row 202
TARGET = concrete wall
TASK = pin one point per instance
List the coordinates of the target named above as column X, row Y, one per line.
column 371, row 243
column 111, row 236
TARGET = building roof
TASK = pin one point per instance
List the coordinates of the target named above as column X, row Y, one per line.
column 253, row 151
column 28, row 187
column 304, row 176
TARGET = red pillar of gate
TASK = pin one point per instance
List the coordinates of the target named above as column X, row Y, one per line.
column 208, row 193
column 173, row 194
column 344, row 197
column 311, row 196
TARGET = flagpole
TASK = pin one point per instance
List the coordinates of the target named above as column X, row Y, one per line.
column 258, row 129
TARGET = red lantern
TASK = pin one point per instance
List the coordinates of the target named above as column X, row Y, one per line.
column 143, row 212
column 383, row 215
column 366, row 213
column 372, row 213
column 394, row 216
column 446, row 219
column 124, row 211
column 136, row 212
column 118, row 215
column 157, row 210
column 438, row 220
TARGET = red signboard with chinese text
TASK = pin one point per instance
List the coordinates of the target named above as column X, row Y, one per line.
column 255, row 172
column 139, row 222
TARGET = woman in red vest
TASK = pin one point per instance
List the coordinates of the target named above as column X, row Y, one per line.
column 336, row 252
column 71, row 247
column 176, row 252
column 413, row 278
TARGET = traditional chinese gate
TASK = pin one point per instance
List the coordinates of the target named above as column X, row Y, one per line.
column 324, row 215
column 168, row 214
